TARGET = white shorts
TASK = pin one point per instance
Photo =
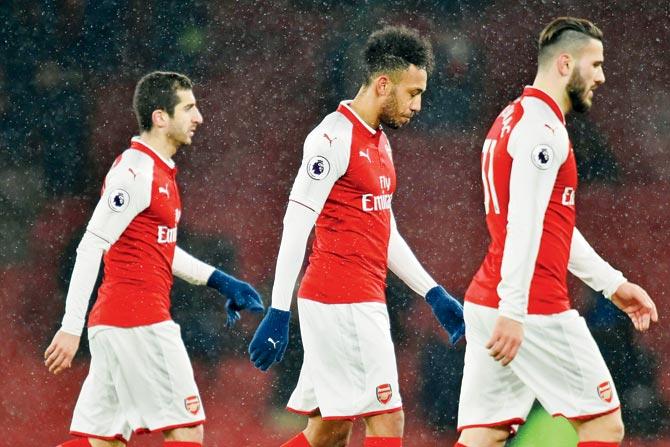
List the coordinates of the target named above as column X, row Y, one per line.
column 349, row 368
column 140, row 380
column 558, row 363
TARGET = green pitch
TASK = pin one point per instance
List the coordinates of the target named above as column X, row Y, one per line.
column 541, row 430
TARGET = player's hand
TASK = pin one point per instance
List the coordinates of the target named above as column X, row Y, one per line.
column 270, row 340
column 505, row 340
column 636, row 303
column 448, row 311
column 58, row 356
column 240, row 295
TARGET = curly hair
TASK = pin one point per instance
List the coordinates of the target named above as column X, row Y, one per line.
column 395, row 48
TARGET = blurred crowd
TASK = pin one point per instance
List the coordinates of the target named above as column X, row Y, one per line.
column 265, row 73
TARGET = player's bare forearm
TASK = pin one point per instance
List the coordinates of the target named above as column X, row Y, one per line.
column 58, row 356
column 637, row 304
column 505, row 340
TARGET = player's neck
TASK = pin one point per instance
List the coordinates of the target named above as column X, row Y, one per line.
column 555, row 90
column 159, row 143
column 365, row 107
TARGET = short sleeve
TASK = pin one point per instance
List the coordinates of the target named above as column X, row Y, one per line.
column 325, row 159
column 127, row 192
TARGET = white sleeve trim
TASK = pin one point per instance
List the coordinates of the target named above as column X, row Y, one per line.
column 298, row 223
column 84, row 274
column 593, row 270
column 190, row 269
column 405, row 265
column 530, row 187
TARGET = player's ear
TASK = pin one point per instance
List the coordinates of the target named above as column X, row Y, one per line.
column 565, row 63
column 383, row 85
column 159, row 118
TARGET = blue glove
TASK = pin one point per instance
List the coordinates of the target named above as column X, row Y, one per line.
column 239, row 294
column 448, row 312
column 270, row 340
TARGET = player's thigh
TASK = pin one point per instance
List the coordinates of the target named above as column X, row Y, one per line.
column 484, row 436
column 156, row 382
column 605, row 428
column 385, row 425
column 349, row 360
column 103, row 443
column 99, row 411
column 185, row 434
column 328, row 433
column 491, row 394
column 561, row 363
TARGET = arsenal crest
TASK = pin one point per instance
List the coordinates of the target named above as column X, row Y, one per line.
column 384, row 393
column 605, row 391
column 192, row 404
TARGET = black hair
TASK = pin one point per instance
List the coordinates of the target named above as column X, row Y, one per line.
column 157, row 91
column 395, row 48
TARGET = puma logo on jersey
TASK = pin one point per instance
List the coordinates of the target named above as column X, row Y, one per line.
column 164, row 190
column 133, row 172
column 365, row 154
column 330, row 142
column 274, row 343
column 553, row 130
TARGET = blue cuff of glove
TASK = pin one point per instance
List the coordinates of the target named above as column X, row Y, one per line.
column 220, row 280
column 277, row 317
column 434, row 294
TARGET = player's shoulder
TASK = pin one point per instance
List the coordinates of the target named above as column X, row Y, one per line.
column 539, row 124
column 539, row 115
column 135, row 160
column 333, row 131
column 131, row 167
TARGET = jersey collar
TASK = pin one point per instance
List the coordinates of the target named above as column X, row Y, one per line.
column 137, row 143
column 537, row 93
column 347, row 111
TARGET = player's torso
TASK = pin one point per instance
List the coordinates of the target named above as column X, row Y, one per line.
column 548, row 290
column 138, row 267
column 348, row 262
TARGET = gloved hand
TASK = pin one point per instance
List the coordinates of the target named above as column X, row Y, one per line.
column 270, row 340
column 239, row 294
column 448, row 312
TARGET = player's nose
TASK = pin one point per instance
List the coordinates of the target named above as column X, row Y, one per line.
column 198, row 117
column 415, row 105
column 600, row 77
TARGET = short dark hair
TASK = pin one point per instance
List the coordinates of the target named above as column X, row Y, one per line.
column 395, row 48
column 157, row 91
column 566, row 31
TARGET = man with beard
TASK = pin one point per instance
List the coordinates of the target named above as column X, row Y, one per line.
column 140, row 378
column 345, row 185
column 524, row 340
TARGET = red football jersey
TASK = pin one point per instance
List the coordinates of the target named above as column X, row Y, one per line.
column 140, row 223
column 530, row 180
column 351, row 163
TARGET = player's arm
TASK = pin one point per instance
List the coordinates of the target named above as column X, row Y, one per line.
column 598, row 274
column 403, row 262
column 536, row 159
column 324, row 161
column 240, row 295
column 125, row 196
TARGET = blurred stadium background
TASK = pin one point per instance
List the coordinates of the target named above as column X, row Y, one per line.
column 266, row 73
